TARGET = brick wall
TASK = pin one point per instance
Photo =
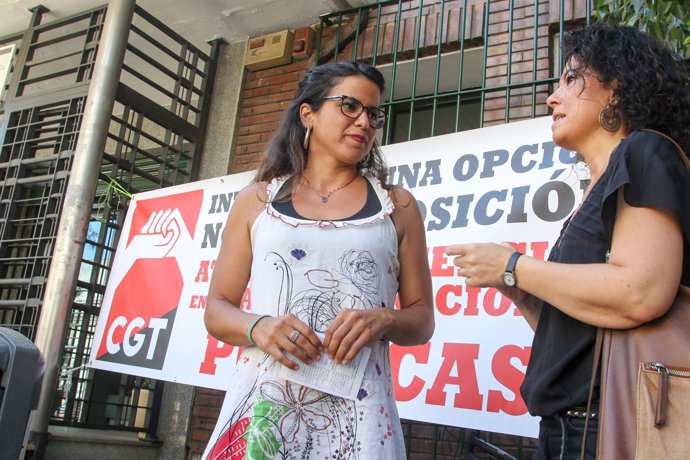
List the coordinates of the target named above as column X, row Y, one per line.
column 418, row 29
column 422, row 28
column 266, row 96
column 521, row 60
column 207, row 404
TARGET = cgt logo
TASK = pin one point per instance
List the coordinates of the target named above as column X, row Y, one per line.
column 142, row 314
column 133, row 340
column 142, row 311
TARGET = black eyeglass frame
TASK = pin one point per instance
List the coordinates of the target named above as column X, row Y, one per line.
column 369, row 110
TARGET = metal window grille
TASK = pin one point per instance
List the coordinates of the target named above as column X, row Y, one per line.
column 452, row 65
column 34, row 166
column 489, row 60
column 154, row 141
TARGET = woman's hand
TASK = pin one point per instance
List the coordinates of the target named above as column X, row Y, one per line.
column 287, row 334
column 353, row 329
column 482, row 264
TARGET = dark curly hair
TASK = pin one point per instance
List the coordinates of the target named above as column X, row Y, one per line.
column 653, row 85
column 286, row 155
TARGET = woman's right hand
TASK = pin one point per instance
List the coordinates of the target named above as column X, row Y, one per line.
column 272, row 335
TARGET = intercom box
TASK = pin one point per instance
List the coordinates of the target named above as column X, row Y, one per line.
column 269, row 50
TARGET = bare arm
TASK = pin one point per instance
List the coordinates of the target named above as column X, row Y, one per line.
column 529, row 305
column 637, row 285
column 411, row 325
column 223, row 318
column 414, row 323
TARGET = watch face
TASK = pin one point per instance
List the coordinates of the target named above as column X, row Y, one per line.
column 509, row 279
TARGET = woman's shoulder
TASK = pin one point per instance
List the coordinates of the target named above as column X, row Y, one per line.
column 404, row 203
column 255, row 190
column 252, row 197
column 649, row 146
column 652, row 170
column 646, row 157
column 400, row 195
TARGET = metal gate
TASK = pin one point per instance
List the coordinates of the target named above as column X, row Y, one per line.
column 154, row 140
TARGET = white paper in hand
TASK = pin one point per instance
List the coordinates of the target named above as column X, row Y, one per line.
column 327, row 376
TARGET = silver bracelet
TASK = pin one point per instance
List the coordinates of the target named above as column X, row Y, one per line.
column 251, row 327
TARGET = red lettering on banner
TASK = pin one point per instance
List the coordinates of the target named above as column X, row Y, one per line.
column 214, row 350
column 510, row 377
column 205, row 269
column 246, row 303
column 442, row 299
column 449, row 301
column 489, row 302
column 421, row 355
column 438, row 260
column 197, row 301
column 520, row 247
column 539, row 249
column 460, row 356
column 449, row 297
column 472, row 300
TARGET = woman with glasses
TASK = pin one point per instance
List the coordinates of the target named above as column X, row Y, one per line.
column 328, row 245
column 621, row 103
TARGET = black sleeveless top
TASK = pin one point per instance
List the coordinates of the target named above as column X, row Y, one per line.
column 371, row 207
column 652, row 174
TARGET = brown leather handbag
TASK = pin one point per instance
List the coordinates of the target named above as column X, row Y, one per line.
column 645, row 388
column 644, row 409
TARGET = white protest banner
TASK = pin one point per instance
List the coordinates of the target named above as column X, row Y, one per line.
column 502, row 183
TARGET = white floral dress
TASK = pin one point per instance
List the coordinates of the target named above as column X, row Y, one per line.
column 314, row 269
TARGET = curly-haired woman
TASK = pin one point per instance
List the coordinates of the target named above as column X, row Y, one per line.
column 622, row 253
column 328, row 246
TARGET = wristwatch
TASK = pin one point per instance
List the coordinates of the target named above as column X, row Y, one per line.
column 509, row 278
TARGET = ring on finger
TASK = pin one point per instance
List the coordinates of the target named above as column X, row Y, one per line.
column 294, row 336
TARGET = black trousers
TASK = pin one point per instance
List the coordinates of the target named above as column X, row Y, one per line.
column 560, row 437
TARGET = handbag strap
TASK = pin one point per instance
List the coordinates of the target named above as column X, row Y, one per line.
column 599, row 341
column 598, row 346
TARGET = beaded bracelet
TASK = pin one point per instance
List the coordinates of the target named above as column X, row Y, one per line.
column 252, row 326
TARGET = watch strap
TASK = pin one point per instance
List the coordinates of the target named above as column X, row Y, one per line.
column 512, row 262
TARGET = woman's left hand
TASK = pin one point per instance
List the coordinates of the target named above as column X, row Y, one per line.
column 353, row 329
column 482, row 264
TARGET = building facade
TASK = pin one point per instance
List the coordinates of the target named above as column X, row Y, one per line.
column 182, row 114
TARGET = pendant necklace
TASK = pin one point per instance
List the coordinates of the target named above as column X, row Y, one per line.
column 324, row 198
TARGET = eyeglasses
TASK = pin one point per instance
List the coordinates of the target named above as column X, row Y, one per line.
column 352, row 108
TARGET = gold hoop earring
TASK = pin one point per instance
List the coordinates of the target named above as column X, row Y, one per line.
column 610, row 119
column 307, row 135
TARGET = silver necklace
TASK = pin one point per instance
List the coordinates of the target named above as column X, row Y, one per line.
column 324, row 198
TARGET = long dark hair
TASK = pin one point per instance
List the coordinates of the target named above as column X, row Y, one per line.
column 653, row 85
column 286, row 155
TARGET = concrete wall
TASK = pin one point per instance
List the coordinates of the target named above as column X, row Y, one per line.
column 221, row 135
